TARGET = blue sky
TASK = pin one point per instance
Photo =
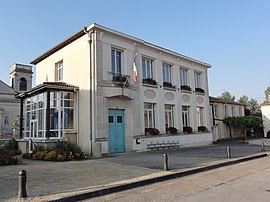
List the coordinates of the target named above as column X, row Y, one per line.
column 231, row 35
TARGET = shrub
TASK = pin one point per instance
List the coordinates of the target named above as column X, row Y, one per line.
column 65, row 147
column 7, row 158
column 202, row 129
column 61, row 157
column 27, row 156
column 51, row 156
column 39, row 155
column 171, row 130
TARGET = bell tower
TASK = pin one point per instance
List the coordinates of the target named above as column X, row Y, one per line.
column 20, row 77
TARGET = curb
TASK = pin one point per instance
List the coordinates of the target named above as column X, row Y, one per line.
column 179, row 174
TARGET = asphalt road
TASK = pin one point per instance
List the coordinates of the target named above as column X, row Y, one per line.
column 248, row 181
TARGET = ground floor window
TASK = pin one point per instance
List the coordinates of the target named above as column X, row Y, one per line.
column 149, row 115
column 199, row 113
column 61, row 114
column 169, row 116
column 185, row 116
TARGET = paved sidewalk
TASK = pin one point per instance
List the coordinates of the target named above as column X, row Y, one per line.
column 63, row 178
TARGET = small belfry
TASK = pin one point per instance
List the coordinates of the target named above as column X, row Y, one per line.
column 20, row 77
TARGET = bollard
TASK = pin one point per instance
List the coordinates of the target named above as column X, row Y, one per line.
column 165, row 166
column 263, row 147
column 22, row 184
column 229, row 152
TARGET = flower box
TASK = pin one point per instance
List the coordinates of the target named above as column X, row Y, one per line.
column 168, row 85
column 150, row 81
column 185, row 87
column 199, row 90
column 187, row 129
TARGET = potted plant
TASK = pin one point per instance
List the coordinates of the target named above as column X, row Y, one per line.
column 187, row 129
column 185, row 87
column 199, row 90
column 168, row 84
column 151, row 131
column 150, row 81
column 202, row 129
column 171, row 130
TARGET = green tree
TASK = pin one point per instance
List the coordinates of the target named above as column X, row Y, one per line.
column 243, row 100
column 227, row 96
column 267, row 92
column 253, row 106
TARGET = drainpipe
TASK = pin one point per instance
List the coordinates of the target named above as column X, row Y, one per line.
column 91, row 86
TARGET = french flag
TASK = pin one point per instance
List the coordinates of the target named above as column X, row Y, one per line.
column 134, row 72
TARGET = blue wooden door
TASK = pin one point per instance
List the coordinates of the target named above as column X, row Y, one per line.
column 116, row 131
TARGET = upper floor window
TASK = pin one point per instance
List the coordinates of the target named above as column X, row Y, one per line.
column 240, row 111
column 116, row 56
column 149, row 115
column 216, row 111
column 59, row 71
column 23, row 84
column 147, row 68
column 226, row 111
column 197, row 79
column 166, row 70
column 233, row 112
column 183, row 77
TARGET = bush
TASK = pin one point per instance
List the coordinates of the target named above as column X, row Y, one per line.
column 61, row 157
column 65, row 147
column 39, row 155
column 27, row 156
column 51, row 156
column 187, row 129
column 171, row 130
column 202, row 129
column 7, row 158
column 151, row 131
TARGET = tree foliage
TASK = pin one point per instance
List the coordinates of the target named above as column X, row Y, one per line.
column 267, row 92
column 243, row 100
column 227, row 96
column 246, row 122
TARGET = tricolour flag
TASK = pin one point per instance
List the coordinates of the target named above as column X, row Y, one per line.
column 134, row 72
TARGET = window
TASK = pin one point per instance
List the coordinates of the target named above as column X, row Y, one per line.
column 61, row 114
column 59, row 71
column 199, row 116
column 197, row 78
column 240, row 111
column 149, row 115
column 226, row 111
column 233, row 112
column 116, row 62
column 169, row 116
column 183, row 77
column 185, row 116
column 216, row 111
column 147, row 68
column 23, row 84
column 166, row 69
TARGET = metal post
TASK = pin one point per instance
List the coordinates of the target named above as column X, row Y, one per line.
column 229, row 152
column 263, row 147
column 165, row 166
column 22, row 184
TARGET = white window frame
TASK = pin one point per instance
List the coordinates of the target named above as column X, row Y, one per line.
column 169, row 115
column 150, row 115
column 59, row 71
column 167, row 72
column 199, row 116
column 183, row 76
column 147, row 68
column 197, row 79
column 186, row 116
column 116, row 62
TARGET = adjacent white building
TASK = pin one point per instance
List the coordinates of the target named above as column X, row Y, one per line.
column 87, row 91
column 265, row 108
column 220, row 109
column 20, row 81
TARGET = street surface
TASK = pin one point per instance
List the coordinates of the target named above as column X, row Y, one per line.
column 248, row 181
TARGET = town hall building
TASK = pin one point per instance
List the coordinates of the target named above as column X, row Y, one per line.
column 110, row 92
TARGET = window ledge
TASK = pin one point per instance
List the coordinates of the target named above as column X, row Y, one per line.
column 168, row 88
column 150, row 85
column 198, row 93
column 186, row 91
